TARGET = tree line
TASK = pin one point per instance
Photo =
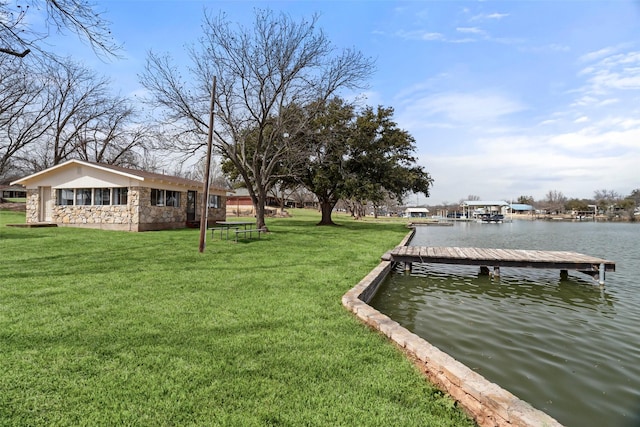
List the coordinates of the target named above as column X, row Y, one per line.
column 604, row 202
column 607, row 202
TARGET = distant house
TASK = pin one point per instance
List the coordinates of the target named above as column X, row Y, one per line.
column 416, row 212
column 521, row 208
column 239, row 203
column 12, row 192
column 478, row 208
column 83, row 194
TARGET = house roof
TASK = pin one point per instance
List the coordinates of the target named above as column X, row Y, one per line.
column 127, row 172
column 425, row 210
column 484, row 203
column 521, row 207
column 240, row 192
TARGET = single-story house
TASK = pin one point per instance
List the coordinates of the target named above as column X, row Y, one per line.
column 93, row 195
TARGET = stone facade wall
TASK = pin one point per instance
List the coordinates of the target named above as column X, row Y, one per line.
column 169, row 217
column 160, row 217
column 73, row 215
column 136, row 215
column 32, row 206
column 112, row 217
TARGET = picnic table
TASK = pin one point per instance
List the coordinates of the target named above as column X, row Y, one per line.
column 223, row 226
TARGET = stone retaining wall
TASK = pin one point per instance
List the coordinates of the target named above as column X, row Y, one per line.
column 489, row 404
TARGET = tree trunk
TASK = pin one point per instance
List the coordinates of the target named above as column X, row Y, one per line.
column 259, row 200
column 326, row 208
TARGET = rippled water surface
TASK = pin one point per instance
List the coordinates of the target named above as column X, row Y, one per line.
column 567, row 346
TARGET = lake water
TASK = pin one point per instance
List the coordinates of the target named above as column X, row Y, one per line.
column 568, row 347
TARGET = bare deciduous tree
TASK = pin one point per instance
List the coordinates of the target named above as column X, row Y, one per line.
column 112, row 137
column 555, row 201
column 18, row 38
column 24, row 111
column 88, row 122
column 260, row 72
column 67, row 111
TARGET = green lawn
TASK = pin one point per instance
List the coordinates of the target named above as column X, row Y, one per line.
column 115, row 328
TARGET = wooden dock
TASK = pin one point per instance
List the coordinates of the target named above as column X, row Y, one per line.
column 496, row 258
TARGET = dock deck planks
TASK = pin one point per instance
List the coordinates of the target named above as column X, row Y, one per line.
column 496, row 258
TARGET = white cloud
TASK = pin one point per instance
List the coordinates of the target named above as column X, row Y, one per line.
column 602, row 53
column 611, row 73
column 489, row 16
column 420, row 35
column 508, row 167
column 464, row 108
column 518, row 162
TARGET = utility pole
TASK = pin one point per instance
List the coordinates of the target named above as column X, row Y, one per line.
column 204, row 216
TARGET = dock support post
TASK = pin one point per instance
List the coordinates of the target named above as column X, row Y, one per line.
column 601, row 275
column 484, row 270
column 496, row 271
column 407, row 266
column 564, row 274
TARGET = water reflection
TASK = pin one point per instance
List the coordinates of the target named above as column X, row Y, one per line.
column 513, row 283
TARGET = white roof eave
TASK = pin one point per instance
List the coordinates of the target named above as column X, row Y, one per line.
column 68, row 162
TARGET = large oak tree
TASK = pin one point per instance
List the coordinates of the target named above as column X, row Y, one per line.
column 362, row 156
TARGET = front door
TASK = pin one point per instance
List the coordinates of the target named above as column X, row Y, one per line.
column 46, row 204
column 191, row 205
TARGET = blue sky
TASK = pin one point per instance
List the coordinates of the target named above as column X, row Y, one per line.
column 504, row 98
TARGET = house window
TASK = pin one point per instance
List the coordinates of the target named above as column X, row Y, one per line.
column 92, row 196
column 102, row 196
column 65, row 197
column 83, row 196
column 214, row 201
column 173, row 198
column 120, row 196
column 165, row 198
column 157, row 197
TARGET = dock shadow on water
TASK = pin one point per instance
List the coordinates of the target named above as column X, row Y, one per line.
column 566, row 346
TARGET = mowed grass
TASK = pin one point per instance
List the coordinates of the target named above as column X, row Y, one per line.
column 116, row 328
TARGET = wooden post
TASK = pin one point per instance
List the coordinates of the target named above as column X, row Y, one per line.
column 204, row 216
